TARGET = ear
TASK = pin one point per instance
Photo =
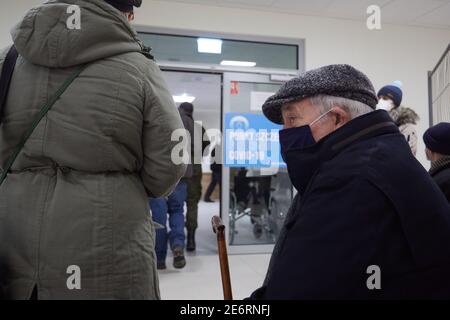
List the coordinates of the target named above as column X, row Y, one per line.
column 427, row 153
column 130, row 16
column 341, row 116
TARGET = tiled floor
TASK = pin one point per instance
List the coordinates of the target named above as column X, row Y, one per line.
column 200, row 279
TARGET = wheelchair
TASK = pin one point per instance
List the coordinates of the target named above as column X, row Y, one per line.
column 253, row 197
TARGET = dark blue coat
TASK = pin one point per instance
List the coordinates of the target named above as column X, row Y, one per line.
column 369, row 202
column 441, row 176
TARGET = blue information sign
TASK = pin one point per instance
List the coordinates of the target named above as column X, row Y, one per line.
column 251, row 141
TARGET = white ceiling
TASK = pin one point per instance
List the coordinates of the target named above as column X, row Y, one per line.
column 205, row 87
column 425, row 13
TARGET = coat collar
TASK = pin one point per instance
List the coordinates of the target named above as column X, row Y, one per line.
column 367, row 126
column 438, row 166
column 304, row 163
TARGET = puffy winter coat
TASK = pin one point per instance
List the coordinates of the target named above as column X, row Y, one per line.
column 440, row 171
column 74, row 215
column 406, row 120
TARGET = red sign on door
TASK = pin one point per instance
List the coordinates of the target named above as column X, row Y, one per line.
column 234, row 88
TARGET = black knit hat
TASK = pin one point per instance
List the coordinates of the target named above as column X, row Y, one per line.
column 437, row 138
column 125, row 5
column 339, row 80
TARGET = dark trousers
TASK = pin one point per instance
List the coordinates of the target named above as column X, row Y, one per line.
column 194, row 193
column 215, row 179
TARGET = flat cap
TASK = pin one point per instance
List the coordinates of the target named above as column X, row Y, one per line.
column 339, row 80
column 125, row 5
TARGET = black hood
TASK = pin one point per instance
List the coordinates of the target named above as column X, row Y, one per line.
column 187, row 108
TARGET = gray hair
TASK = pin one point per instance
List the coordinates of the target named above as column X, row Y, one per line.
column 325, row 103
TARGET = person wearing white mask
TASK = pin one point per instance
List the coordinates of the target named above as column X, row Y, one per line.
column 389, row 99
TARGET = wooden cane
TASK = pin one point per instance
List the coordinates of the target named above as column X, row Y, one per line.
column 219, row 229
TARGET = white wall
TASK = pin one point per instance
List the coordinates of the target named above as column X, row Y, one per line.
column 11, row 12
column 395, row 52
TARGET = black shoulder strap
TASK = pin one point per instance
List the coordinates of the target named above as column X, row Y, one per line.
column 45, row 108
column 5, row 78
column 146, row 51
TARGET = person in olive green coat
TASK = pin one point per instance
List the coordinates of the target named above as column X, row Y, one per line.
column 74, row 216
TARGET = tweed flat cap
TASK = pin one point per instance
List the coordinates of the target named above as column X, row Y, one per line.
column 339, row 80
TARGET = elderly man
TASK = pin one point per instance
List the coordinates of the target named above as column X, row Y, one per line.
column 369, row 223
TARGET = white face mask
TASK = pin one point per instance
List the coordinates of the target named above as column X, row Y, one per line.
column 387, row 105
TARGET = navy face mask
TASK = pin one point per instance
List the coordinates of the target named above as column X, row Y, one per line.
column 297, row 150
column 295, row 138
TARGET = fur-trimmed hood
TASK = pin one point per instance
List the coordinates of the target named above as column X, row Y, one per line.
column 403, row 115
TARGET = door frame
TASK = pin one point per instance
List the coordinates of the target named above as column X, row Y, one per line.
column 263, row 75
column 228, row 77
column 300, row 43
column 221, row 74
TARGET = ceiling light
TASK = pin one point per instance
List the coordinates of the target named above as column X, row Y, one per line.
column 183, row 98
column 209, row 45
column 238, row 63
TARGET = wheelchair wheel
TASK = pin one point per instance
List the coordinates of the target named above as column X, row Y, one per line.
column 257, row 230
column 276, row 217
column 232, row 217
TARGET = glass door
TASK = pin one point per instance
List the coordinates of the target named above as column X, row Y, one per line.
column 256, row 191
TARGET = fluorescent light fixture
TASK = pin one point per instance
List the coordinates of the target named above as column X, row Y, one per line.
column 183, row 98
column 206, row 45
column 238, row 63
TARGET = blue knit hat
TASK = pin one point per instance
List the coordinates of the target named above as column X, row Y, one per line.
column 393, row 91
column 437, row 138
